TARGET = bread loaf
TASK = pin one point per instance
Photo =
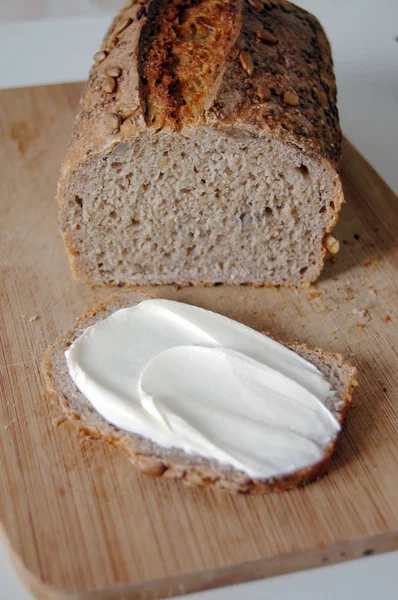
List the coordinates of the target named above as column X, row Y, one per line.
column 172, row 463
column 206, row 148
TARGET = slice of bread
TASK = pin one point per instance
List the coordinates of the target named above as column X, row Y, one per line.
column 173, row 463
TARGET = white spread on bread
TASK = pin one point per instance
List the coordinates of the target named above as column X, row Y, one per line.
column 192, row 379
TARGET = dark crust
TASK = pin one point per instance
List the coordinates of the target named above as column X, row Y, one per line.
column 182, row 49
column 158, row 463
column 301, row 63
column 154, row 54
column 91, row 136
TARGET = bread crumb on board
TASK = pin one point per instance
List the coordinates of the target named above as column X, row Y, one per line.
column 371, row 261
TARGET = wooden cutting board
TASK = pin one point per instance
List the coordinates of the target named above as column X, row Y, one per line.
column 76, row 516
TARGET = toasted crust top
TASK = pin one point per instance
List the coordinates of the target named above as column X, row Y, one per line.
column 261, row 66
column 183, row 50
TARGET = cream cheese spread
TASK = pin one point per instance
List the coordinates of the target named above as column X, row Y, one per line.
column 189, row 378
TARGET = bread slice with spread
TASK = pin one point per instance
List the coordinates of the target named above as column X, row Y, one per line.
column 173, row 463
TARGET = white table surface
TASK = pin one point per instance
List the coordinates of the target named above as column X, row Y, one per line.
column 364, row 36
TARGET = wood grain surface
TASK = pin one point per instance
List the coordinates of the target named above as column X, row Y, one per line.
column 79, row 522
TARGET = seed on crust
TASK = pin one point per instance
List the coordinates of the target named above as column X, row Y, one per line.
column 112, row 122
column 150, row 466
column 194, row 478
column 263, row 92
column 175, row 472
column 247, row 62
column 321, row 97
column 266, row 36
column 109, row 85
column 291, row 98
column 286, row 6
column 256, row 4
column 124, row 23
column 100, row 56
column 332, row 244
column 113, row 72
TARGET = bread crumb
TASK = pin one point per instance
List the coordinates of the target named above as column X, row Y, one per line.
column 363, row 311
column 386, row 318
column 33, row 318
column 361, row 325
column 313, row 295
column 373, row 260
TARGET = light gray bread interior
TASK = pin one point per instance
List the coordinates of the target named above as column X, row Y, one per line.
column 173, row 463
column 213, row 206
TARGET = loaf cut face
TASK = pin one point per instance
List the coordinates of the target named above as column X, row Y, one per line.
column 206, row 148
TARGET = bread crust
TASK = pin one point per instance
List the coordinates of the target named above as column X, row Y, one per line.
column 298, row 64
column 150, row 459
column 291, row 93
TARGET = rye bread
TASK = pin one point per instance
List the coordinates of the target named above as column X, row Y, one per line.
column 206, row 148
column 151, row 459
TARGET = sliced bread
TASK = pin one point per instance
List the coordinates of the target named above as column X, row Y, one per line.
column 154, row 460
